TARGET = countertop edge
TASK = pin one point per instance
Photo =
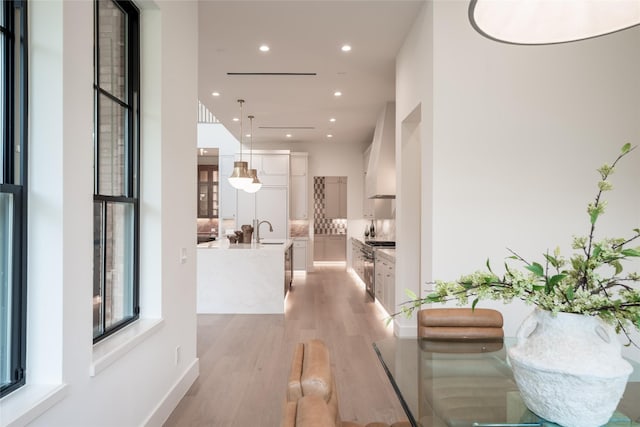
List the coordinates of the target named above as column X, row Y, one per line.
column 223, row 246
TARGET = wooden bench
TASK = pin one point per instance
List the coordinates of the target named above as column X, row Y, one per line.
column 312, row 397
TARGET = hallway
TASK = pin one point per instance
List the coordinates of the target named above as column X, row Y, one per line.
column 245, row 359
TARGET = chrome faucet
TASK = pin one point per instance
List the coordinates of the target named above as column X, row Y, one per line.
column 257, row 228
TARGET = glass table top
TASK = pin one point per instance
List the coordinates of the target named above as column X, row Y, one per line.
column 470, row 384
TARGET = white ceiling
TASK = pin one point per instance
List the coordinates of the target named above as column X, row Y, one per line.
column 305, row 36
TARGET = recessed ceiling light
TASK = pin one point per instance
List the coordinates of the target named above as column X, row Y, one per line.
column 264, row 48
column 329, row 136
column 346, row 48
column 248, row 135
column 235, row 119
column 215, row 93
column 337, row 93
column 332, row 119
column 288, row 135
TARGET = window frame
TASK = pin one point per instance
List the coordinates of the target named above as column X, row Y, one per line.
column 132, row 162
column 15, row 64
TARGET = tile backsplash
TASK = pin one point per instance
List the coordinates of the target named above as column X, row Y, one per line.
column 322, row 225
column 385, row 228
column 299, row 228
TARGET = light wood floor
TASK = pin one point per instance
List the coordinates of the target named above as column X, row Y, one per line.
column 245, row 359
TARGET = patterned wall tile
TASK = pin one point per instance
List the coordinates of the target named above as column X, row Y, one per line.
column 321, row 224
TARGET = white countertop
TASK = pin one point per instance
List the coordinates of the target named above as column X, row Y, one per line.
column 389, row 253
column 266, row 245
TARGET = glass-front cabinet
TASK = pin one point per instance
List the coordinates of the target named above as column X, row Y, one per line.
column 208, row 191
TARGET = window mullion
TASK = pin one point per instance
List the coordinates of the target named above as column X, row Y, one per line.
column 103, row 262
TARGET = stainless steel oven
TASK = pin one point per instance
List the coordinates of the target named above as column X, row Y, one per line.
column 368, row 254
column 369, row 273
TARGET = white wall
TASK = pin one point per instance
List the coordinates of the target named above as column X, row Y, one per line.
column 517, row 133
column 331, row 159
column 215, row 135
column 414, row 104
column 143, row 384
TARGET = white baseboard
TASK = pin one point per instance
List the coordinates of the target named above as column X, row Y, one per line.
column 405, row 330
column 170, row 400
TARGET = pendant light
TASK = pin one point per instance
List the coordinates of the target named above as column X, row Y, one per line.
column 542, row 22
column 239, row 178
column 255, row 184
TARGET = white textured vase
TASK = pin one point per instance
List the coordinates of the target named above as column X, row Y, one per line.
column 569, row 368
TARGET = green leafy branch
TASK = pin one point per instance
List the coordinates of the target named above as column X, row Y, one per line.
column 590, row 282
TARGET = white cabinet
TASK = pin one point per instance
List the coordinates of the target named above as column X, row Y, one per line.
column 380, row 273
column 336, row 248
column 390, row 288
column 227, row 192
column 300, row 254
column 299, row 186
column 271, row 202
column 271, row 205
column 335, row 191
column 385, row 280
column 357, row 258
column 330, row 247
column 246, row 204
column 273, row 169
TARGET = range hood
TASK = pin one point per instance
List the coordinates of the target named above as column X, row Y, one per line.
column 380, row 182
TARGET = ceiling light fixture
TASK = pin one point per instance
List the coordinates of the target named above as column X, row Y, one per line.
column 264, row 48
column 255, row 183
column 329, row 135
column 337, row 93
column 240, row 178
column 346, row 48
column 288, row 135
column 215, row 93
column 551, row 21
column 332, row 120
column 235, row 119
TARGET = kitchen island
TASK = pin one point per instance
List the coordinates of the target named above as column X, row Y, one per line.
column 243, row 278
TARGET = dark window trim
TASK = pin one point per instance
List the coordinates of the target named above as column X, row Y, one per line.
column 132, row 183
column 19, row 190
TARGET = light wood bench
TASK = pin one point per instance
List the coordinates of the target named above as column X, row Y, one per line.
column 312, row 397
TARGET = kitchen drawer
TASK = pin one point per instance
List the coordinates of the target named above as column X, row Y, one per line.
column 330, row 247
column 300, row 255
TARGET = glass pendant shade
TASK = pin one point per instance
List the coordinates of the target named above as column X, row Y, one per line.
column 240, row 178
column 255, row 183
column 541, row 22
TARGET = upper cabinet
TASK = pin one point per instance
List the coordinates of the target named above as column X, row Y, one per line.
column 228, row 194
column 335, row 191
column 207, row 191
column 271, row 202
column 299, row 193
column 273, row 169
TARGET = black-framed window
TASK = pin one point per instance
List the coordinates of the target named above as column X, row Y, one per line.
column 116, row 165
column 13, row 194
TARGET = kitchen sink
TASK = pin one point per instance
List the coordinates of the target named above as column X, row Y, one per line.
column 272, row 242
